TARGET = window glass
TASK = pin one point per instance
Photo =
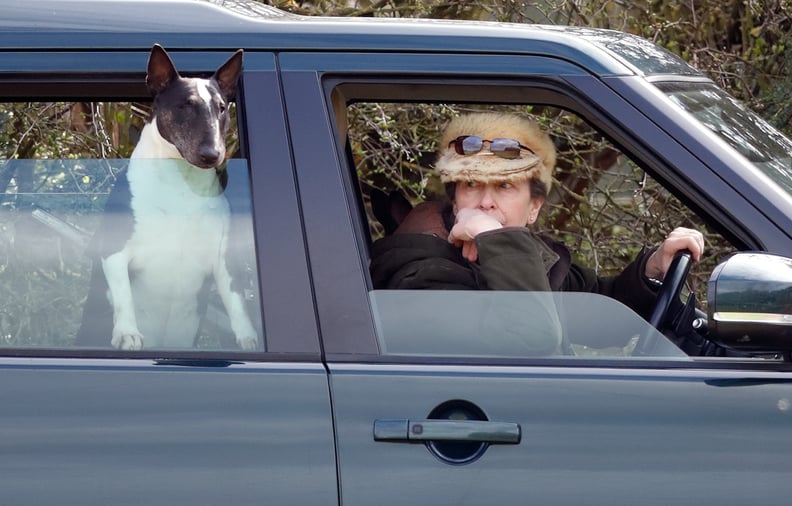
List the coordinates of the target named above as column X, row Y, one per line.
column 508, row 324
column 749, row 134
column 603, row 207
column 64, row 208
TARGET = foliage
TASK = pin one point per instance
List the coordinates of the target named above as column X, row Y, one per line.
column 56, row 170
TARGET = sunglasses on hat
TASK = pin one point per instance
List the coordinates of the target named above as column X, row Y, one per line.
column 504, row 148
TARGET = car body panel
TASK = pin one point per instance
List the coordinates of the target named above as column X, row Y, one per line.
column 284, row 279
column 133, row 432
column 437, row 63
column 89, row 24
column 679, row 438
column 133, row 62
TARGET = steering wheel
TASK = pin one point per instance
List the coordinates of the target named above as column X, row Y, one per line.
column 666, row 296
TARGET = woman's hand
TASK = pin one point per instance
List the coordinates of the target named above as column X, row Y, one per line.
column 470, row 223
column 679, row 239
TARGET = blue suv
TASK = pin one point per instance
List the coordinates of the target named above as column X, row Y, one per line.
column 362, row 396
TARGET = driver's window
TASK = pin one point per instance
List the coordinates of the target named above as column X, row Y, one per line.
column 602, row 209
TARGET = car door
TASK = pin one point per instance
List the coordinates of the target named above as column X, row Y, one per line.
column 435, row 399
column 593, row 435
column 210, row 424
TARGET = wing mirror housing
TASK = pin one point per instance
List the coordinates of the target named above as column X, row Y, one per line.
column 749, row 299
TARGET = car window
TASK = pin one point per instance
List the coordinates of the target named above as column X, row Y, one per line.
column 749, row 134
column 62, row 165
column 603, row 207
column 508, row 324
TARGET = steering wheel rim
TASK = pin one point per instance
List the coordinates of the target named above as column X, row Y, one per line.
column 668, row 293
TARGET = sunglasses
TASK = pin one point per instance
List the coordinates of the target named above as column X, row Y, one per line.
column 504, row 148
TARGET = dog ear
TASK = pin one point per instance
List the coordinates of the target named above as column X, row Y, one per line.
column 227, row 75
column 161, row 72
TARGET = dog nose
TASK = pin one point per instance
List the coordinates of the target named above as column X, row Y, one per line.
column 209, row 155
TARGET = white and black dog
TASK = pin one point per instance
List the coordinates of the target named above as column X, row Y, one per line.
column 157, row 264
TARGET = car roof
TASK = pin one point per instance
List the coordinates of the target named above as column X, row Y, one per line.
column 230, row 24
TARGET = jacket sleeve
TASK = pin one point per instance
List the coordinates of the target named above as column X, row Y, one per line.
column 514, row 259
column 629, row 287
column 419, row 261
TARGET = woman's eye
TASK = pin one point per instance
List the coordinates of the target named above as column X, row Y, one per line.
column 472, row 184
column 506, row 186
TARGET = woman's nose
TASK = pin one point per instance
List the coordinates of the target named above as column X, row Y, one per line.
column 487, row 199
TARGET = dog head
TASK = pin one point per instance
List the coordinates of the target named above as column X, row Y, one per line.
column 192, row 113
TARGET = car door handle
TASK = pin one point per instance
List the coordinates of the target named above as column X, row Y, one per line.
column 419, row 431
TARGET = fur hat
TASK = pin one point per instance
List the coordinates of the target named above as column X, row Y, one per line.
column 485, row 166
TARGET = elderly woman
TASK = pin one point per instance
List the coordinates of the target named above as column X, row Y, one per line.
column 497, row 169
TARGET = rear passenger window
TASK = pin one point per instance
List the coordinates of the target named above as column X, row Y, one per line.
column 602, row 206
column 61, row 167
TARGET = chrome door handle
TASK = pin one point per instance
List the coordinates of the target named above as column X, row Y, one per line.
column 420, row 431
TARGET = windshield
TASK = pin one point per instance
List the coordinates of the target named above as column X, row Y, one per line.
column 746, row 132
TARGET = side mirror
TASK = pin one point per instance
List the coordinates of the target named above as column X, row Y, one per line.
column 749, row 299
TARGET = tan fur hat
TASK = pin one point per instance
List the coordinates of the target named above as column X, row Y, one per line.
column 485, row 166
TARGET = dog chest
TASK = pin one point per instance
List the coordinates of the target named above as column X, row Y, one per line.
column 181, row 219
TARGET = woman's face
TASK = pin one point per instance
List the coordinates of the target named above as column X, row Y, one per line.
column 508, row 202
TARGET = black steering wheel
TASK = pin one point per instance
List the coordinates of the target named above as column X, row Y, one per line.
column 666, row 296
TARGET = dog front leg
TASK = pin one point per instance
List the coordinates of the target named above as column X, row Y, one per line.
column 126, row 335
column 246, row 336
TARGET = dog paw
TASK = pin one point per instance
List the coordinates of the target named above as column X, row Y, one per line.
column 247, row 342
column 127, row 340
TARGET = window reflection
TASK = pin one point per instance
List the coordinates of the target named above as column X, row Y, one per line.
column 751, row 136
column 49, row 214
column 508, row 324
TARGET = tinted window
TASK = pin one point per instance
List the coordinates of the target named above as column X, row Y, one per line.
column 62, row 166
column 505, row 324
column 750, row 135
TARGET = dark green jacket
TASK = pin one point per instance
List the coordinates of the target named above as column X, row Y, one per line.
column 508, row 259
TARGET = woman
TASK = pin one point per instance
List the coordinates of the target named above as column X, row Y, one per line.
column 497, row 169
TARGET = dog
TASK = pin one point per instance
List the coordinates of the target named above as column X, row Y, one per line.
column 165, row 231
